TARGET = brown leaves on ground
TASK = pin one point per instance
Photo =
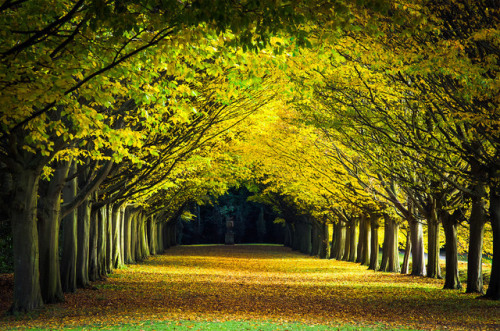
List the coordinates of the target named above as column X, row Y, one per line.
column 265, row 283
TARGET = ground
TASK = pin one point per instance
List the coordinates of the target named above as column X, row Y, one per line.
column 259, row 283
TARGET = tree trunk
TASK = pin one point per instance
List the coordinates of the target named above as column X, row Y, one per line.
column 406, row 259
column 325, row 236
column 93, row 244
column 101, row 241
column 433, row 267
column 374, row 226
column 49, row 209
column 452, row 280
column 493, row 291
column 365, row 254
column 347, row 241
column 417, row 249
column 69, row 241
column 353, row 240
column 83, row 243
column 361, row 241
column 159, row 241
column 116, row 238
column 390, row 251
column 476, row 234
column 109, row 239
column 27, row 293
column 152, row 236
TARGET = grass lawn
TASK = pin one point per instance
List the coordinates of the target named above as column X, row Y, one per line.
column 256, row 287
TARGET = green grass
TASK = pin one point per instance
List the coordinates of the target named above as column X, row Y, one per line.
column 226, row 325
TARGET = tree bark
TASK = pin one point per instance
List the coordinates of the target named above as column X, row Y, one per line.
column 390, row 251
column 353, row 240
column 83, row 243
column 102, row 217
column 347, row 241
column 417, row 248
column 476, row 234
column 69, row 240
column 49, row 209
column 93, row 244
column 374, row 226
column 406, row 259
column 493, row 291
column 433, row 267
column 365, row 254
column 27, row 292
column 452, row 279
column 325, row 236
column 116, row 238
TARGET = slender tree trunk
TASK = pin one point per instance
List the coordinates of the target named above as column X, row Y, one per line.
column 49, row 209
column 417, row 251
column 27, row 293
column 361, row 241
column 365, row 255
column 152, row 236
column 93, row 244
column 296, row 236
column 493, row 291
column 159, row 241
column 109, row 239
column 83, row 243
column 101, row 241
column 476, row 234
column 452, row 279
column 374, row 226
column 122, row 235
column 325, row 236
column 348, row 248
column 116, row 251
column 69, row 241
column 406, row 259
column 353, row 240
column 433, row 267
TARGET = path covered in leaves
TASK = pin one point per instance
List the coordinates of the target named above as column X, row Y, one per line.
column 264, row 283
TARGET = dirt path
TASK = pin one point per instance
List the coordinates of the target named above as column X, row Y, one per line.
column 260, row 282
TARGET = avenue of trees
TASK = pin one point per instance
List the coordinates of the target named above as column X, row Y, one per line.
column 376, row 120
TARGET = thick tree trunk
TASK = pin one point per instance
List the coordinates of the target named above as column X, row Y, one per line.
column 27, row 293
column 305, row 237
column 417, row 248
column 476, row 234
column 353, row 240
column 69, row 238
column 49, row 208
column 406, row 259
column 340, row 240
column 493, row 291
column 325, row 236
column 452, row 280
column 374, row 247
column 433, row 267
column 390, row 251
